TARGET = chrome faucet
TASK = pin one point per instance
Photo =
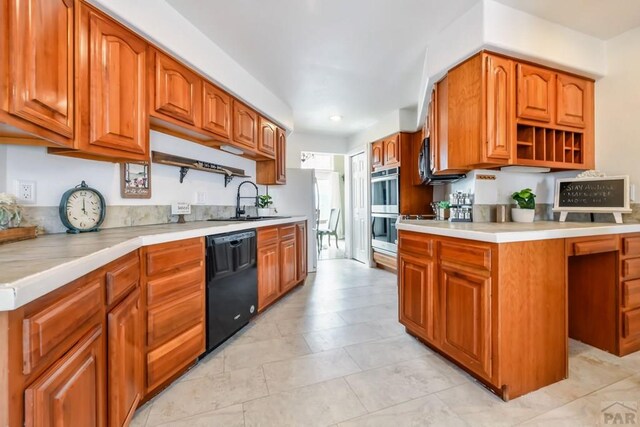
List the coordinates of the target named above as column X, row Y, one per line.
column 242, row 211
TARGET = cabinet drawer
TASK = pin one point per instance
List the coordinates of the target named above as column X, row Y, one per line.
column 631, row 294
column 415, row 243
column 58, row 326
column 182, row 283
column 122, row 277
column 595, row 246
column 170, row 256
column 168, row 359
column 631, row 246
column 631, row 324
column 631, row 268
column 169, row 319
column 287, row 232
column 476, row 256
column 267, row 234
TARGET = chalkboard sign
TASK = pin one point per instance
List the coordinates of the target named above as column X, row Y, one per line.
column 595, row 194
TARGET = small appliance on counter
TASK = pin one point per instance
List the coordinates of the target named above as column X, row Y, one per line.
column 461, row 207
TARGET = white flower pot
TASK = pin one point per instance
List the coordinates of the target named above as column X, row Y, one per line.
column 264, row 212
column 522, row 215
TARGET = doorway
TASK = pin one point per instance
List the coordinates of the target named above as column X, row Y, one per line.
column 359, row 208
column 329, row 172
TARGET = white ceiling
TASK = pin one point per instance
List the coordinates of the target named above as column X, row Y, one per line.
column 602, row 19
column 360, row 59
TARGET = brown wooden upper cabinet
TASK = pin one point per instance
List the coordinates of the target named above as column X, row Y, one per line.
column 111, row 109
column 391, row 151
column 536, row 93
column 176, row 90
column 386, row 152
column 245, row 125
column 377, row 158
column 574, row 98
column 216, row 110
column 266, row 137
column 491, row 111
column 36, row 63
column 274, row 171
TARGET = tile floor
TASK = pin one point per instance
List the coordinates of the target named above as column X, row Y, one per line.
column 332, row 353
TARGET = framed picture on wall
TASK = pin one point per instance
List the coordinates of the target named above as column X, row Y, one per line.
column 135, row 180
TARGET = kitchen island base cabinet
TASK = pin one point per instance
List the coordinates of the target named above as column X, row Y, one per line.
column 475, row 303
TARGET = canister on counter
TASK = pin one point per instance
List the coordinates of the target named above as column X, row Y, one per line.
column 501, row 213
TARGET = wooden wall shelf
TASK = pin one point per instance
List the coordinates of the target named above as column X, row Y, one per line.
column 185, row 164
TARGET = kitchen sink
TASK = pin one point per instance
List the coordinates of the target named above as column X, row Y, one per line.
column 248, row 218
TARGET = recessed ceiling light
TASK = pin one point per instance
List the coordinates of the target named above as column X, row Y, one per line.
column 335, row 118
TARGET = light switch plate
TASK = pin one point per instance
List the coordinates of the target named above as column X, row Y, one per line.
column 180, row 208
column 201, row 197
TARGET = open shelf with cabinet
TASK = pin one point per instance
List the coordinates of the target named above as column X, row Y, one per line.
column 540, row 146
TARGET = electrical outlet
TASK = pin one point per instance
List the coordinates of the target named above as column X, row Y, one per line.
column 201, row 197
column 26, row 191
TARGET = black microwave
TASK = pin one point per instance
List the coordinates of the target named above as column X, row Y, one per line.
column 426, row 169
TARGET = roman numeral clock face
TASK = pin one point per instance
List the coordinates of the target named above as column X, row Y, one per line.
column 82, row 210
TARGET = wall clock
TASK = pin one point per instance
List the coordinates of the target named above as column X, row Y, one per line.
column 82, row 209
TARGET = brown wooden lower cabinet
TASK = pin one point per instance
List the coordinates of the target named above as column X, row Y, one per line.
column 174, row 286
column 72, row 392
column 604, row 283
column 476, row 304
column 125, row 326
column 281, row 256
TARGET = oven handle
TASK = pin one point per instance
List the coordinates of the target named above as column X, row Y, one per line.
column 384, row 178
column 385, row 215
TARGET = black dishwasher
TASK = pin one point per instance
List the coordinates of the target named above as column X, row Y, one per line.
column 232, row 284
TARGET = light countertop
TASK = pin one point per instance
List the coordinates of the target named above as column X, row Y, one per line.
column 506, row 232
column 33, row 268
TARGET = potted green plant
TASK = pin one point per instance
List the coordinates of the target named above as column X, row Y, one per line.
column 443, row 210
column 525, row 209
column 264, row 201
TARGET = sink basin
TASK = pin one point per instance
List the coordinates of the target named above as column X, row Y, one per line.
column 248, row 218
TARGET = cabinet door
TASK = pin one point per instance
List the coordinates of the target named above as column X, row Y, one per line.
column 125, row 359
column 377, row 149
column 418, row 297
column 111, row 101
column 301, row 246
column 574, row 97
column 71, row 393
column 216, row 110
column 281, row 157
column 41, row 66
column 266, row 137
column 177, row 90
column 434, row 154
column 536, row 93
column 245, row 125
column 466, row 317
column 268, row 274
column 499, row 87
column 288, row 261
column 391, row 151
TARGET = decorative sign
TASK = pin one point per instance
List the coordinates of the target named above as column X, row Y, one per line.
column 608, row 194
column 135, row 180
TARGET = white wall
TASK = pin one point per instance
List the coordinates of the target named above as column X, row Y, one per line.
column 163, row 25
column 618, row 109
column 498, row 191
column 3, row 169
column 55, row 174
column 298, row 142
column 495, row 26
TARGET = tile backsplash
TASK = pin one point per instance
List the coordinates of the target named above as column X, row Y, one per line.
column 48, row 219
